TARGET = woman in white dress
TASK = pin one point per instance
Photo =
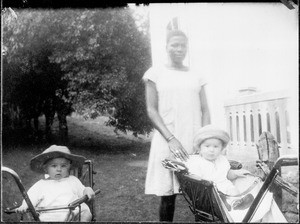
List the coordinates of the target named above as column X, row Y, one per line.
column 177, row 107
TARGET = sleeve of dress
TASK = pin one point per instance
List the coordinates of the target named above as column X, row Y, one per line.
column 151, row 75
column 194, row 167
column 76, row 183
column 226, row 164
column 34, row 193
column 202, row 81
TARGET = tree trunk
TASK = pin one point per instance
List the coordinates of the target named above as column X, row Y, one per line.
column 49, row 112
column 63, row 126
column 48, row 131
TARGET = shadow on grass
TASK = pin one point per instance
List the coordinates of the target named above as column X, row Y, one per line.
column 87, row 135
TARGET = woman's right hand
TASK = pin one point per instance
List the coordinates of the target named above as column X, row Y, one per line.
column 178, row 150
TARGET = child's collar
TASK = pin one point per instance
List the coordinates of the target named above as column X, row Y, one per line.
column 46, row 177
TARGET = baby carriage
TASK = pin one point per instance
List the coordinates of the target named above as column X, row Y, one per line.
column 84, row 174
column 210, row 205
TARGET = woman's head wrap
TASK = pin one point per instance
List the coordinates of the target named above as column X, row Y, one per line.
column 173, row 33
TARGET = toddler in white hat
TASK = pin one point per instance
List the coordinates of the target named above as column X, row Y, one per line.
column 209, row 163
column 59, row 188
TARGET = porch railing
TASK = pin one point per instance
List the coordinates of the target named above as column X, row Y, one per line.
column 247, row 116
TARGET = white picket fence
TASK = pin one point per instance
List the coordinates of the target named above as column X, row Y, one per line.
column 247, row 116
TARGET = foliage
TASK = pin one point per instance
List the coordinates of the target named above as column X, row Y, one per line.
column 31, row 80
column 92, row 59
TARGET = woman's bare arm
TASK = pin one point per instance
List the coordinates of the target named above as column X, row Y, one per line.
column 204, row 107
column 152, row 110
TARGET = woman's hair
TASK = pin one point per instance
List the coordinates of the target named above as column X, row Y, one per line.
column 173, row 33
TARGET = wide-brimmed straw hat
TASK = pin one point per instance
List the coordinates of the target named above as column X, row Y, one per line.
column 210, row 131
column 55, row 151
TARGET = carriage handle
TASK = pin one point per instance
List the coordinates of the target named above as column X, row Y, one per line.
column 287, row 160
column 23, row 191
column 70, row 206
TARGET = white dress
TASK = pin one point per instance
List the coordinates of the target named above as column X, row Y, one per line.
column 180, row 108
column 213, row 171
column 48, row 193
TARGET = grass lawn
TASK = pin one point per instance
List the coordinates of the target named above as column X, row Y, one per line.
column 120, row 162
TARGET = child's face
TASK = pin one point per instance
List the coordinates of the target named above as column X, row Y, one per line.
column 58, row 168
column 211, row 148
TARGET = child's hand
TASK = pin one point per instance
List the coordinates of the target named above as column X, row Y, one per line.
column 233, row 174
column 241, row 173
column 22, row 209
column 88, row 191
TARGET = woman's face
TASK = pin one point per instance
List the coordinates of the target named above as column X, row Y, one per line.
column 177, row 48
column 211, row 148
column 58, row 168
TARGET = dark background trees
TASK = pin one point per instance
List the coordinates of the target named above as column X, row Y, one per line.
column 86, row 60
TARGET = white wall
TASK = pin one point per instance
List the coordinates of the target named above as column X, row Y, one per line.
column 235, row 45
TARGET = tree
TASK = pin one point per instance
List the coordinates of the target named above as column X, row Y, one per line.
column 31, row 80
column 92, row 60
column 104, row 55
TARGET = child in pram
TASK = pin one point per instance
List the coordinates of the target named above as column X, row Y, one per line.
column 208, row 161
column 59, row 187
column 237, row 188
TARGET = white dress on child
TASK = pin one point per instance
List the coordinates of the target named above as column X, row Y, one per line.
column 180, row 108
column 216, row 172
column 48, row 193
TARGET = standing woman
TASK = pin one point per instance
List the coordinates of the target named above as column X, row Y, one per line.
column 177, row 106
